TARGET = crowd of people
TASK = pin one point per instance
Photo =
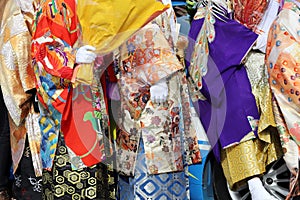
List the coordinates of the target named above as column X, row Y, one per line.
column 96, row 97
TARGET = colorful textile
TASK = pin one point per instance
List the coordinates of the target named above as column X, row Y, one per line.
column 249, row 158
column 264, row 26
column 79, row 113
column 52, row 82
column 143, row 186
column 226, row 87
column 95, row 182
column 17, row 76
column 165, row 128
column 282, row 59
column 147, row 58
column 73, row 122
column 266, row 148
column 258, row 77
column 125, row 18
column 249, row 12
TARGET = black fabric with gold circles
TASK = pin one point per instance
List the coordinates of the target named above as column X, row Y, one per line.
column 97, row 182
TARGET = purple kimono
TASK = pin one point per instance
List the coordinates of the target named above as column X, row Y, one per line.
column 230, row 105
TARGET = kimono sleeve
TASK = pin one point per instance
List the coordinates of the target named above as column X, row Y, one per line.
column 55, row 56
column 17, row 75
column 23, row 59
column 148, row 57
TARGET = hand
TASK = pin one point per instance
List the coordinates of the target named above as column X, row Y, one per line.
column 291, row 155
column 159, row 91
column 85, row 54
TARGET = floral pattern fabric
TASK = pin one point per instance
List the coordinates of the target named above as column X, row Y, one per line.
column 282, row 59
column 53, row 64
column 80, row 113
column 226, row 80
column 73, row 119
column 166, row 127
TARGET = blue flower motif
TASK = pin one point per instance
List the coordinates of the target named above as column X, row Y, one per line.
column 130, row 48
column 278, row 43
column 271, row 65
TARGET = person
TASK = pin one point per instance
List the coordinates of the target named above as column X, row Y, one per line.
column 5, row 188
column 17, row 105
column 234, row 103
column 155, row 139
column 74, row 122
column 4, row 138
column 283, row 65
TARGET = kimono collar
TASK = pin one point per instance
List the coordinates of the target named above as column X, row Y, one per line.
column 60, row 18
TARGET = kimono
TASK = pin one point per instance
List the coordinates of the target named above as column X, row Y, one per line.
column 282, row 59
column 74, row 121
column 154, row 142
column 226, row 104
column 18, row 86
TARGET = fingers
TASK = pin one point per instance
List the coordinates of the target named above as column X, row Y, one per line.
column 89, row 48
column 159, row 92
column 158, row 99
column 88, row 59
column 91, row 55
column 85, row 54
column 154, row 99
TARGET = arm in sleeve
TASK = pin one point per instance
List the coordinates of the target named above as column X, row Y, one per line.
column 148, row 56
column 55, row 56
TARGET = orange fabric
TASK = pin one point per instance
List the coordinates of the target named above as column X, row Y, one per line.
column 249, row 12
column 55, row 33
column 50, row 21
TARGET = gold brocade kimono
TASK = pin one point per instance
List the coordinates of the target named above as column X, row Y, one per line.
column 17, row 79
